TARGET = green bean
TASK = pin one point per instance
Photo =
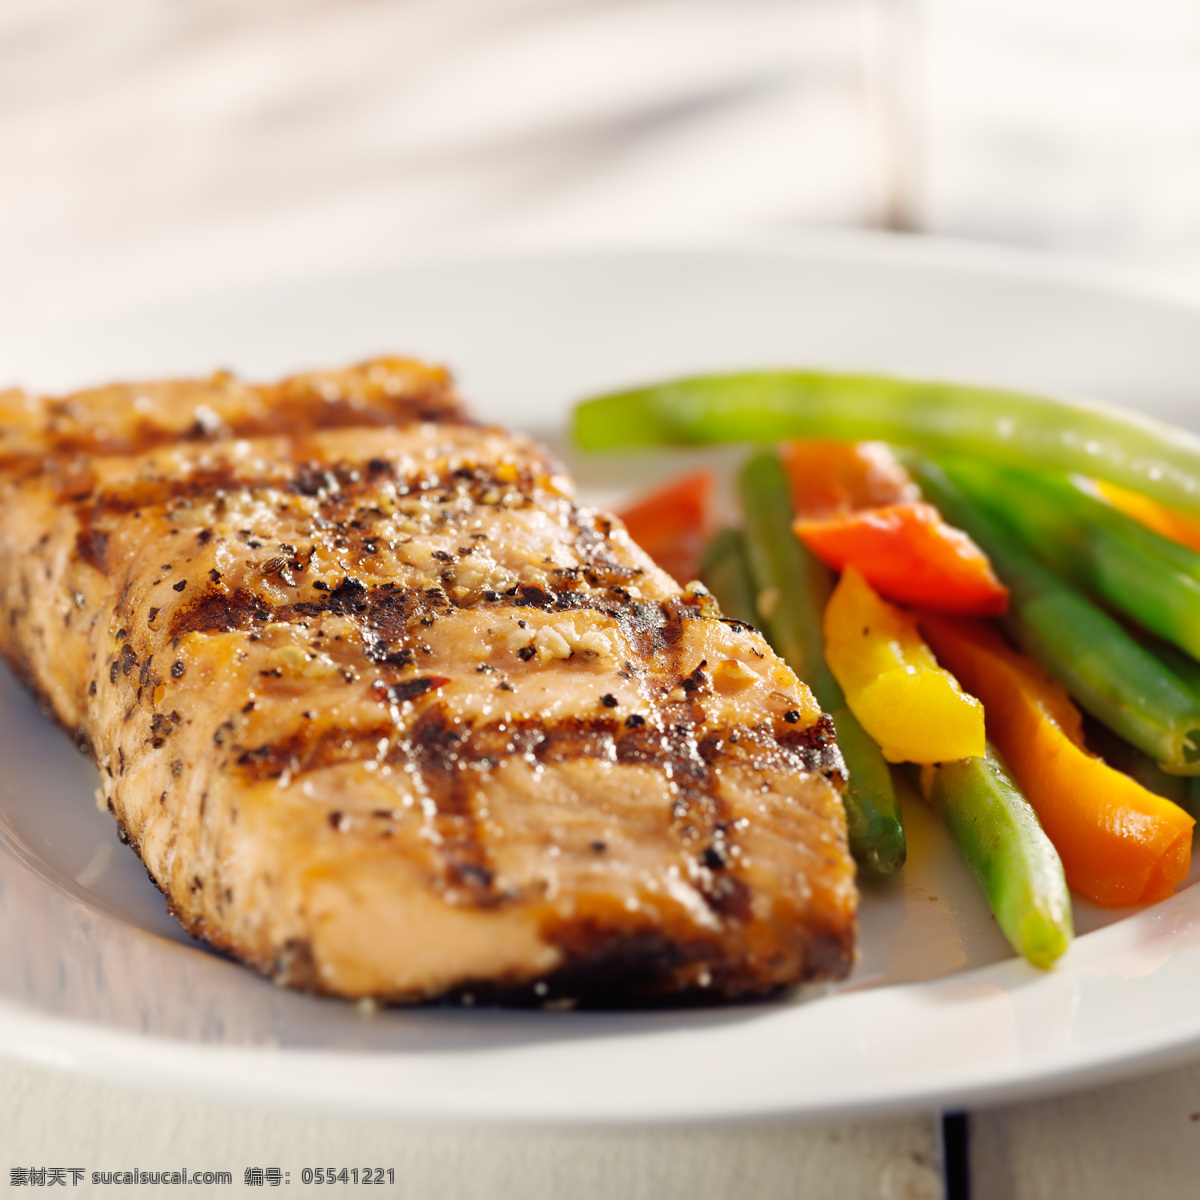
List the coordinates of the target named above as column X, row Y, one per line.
column 999, row 836
column 873, row 820
column 791, row 584
column 792, row 587
column 726, row 573
column 1187, row 671
column 1093, row 439
column 1109, row 555
column 1121, row 683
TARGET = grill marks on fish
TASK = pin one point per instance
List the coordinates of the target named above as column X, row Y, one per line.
column 397, row 679
column 340, row 487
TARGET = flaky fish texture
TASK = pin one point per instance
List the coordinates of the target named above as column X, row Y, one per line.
column 387, row 713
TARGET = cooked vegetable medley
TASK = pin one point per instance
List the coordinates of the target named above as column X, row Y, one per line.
column 1016, row 560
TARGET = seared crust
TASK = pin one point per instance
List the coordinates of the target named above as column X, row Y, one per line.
column 387, row 713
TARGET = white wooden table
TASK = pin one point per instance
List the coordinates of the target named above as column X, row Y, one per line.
column 153, row 147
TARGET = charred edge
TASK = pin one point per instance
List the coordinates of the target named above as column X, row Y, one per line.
column 610, row 968
column 618, row 969
column 606, row 969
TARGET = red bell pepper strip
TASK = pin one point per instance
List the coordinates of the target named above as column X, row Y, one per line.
column 859, row 508
column 673, row 523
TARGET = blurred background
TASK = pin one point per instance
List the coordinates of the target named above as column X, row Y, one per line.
column 159, row 146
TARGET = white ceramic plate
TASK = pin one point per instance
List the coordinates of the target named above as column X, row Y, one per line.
column 95, row 977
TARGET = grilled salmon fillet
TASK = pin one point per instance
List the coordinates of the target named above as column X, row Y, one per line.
column 387, row 713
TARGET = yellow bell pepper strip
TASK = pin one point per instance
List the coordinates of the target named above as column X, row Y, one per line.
column 1179, row 526
column 913, row 708
column 1119, row 843
column 998, row 834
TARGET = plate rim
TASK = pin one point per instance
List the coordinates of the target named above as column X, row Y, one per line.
column 114, row 1054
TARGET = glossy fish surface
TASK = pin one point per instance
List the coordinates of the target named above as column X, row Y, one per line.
column 387, row 712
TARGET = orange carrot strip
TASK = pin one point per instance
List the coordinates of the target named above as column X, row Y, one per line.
column 1119, row 843
column 672, row 523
